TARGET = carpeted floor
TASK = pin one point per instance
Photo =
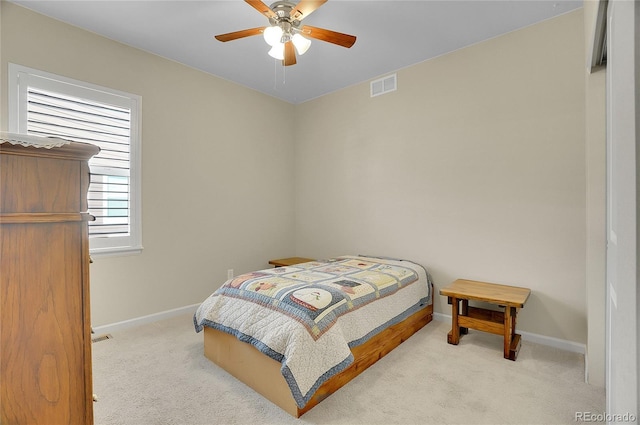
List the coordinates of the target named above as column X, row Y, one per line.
column 156, row 374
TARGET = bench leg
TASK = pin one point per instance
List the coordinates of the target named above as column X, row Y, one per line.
column 454, row 336
column 507, row 331
column 511, row 338
column 464, row 311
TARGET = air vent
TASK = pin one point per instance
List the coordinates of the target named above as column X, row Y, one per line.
column 383, row 85
column 101, row 338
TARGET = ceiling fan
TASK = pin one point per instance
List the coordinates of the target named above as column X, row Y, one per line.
column 286, row 34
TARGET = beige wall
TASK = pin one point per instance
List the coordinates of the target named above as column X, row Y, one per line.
column 217, row 188
column 474, row 167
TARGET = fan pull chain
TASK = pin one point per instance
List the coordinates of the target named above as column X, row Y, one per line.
column 275, row 74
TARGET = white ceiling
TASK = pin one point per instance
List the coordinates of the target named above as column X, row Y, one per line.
column 391, row 34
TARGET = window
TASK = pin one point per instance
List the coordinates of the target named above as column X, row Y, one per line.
column 44, row 104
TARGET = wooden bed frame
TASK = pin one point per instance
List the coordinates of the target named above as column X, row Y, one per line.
column 262, row 373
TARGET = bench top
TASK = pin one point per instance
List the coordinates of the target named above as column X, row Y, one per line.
column 283, row 262
column 512, row 296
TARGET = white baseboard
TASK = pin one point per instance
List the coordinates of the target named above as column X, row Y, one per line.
column 550, row 341
column 562, row 344
column 137, row 321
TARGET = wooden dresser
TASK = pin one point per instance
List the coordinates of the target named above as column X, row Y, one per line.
column 45, row 331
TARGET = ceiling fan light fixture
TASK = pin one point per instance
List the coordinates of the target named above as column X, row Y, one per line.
column 285, row 34
column 272, row 35
column 301, row 43
column 277, row 51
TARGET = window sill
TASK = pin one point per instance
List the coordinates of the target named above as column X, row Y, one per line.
column 115, row 252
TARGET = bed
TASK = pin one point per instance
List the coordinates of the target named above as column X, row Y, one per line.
column 297, row 334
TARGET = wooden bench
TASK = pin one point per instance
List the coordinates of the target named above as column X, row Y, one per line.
column 284, row 262
column 510, row 298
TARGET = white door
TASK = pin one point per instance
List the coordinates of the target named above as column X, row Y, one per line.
column 622, row 236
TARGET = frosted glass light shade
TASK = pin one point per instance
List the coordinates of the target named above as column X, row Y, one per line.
column 301, row 44
column 277, row 51
column 272, row 35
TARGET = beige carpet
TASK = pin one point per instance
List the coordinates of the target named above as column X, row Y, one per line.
column 156, row 374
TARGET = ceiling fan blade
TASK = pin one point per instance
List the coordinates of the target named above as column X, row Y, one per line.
column 344, row 40
column 289, row 54
column 239, row 34
column 262, row 8
column 304, row 8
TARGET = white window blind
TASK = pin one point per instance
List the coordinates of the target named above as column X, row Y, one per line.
column 52, row 107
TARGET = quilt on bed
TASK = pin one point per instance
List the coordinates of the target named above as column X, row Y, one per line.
column 308, row 316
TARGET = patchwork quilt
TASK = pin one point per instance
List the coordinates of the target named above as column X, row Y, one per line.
column 307, row 316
